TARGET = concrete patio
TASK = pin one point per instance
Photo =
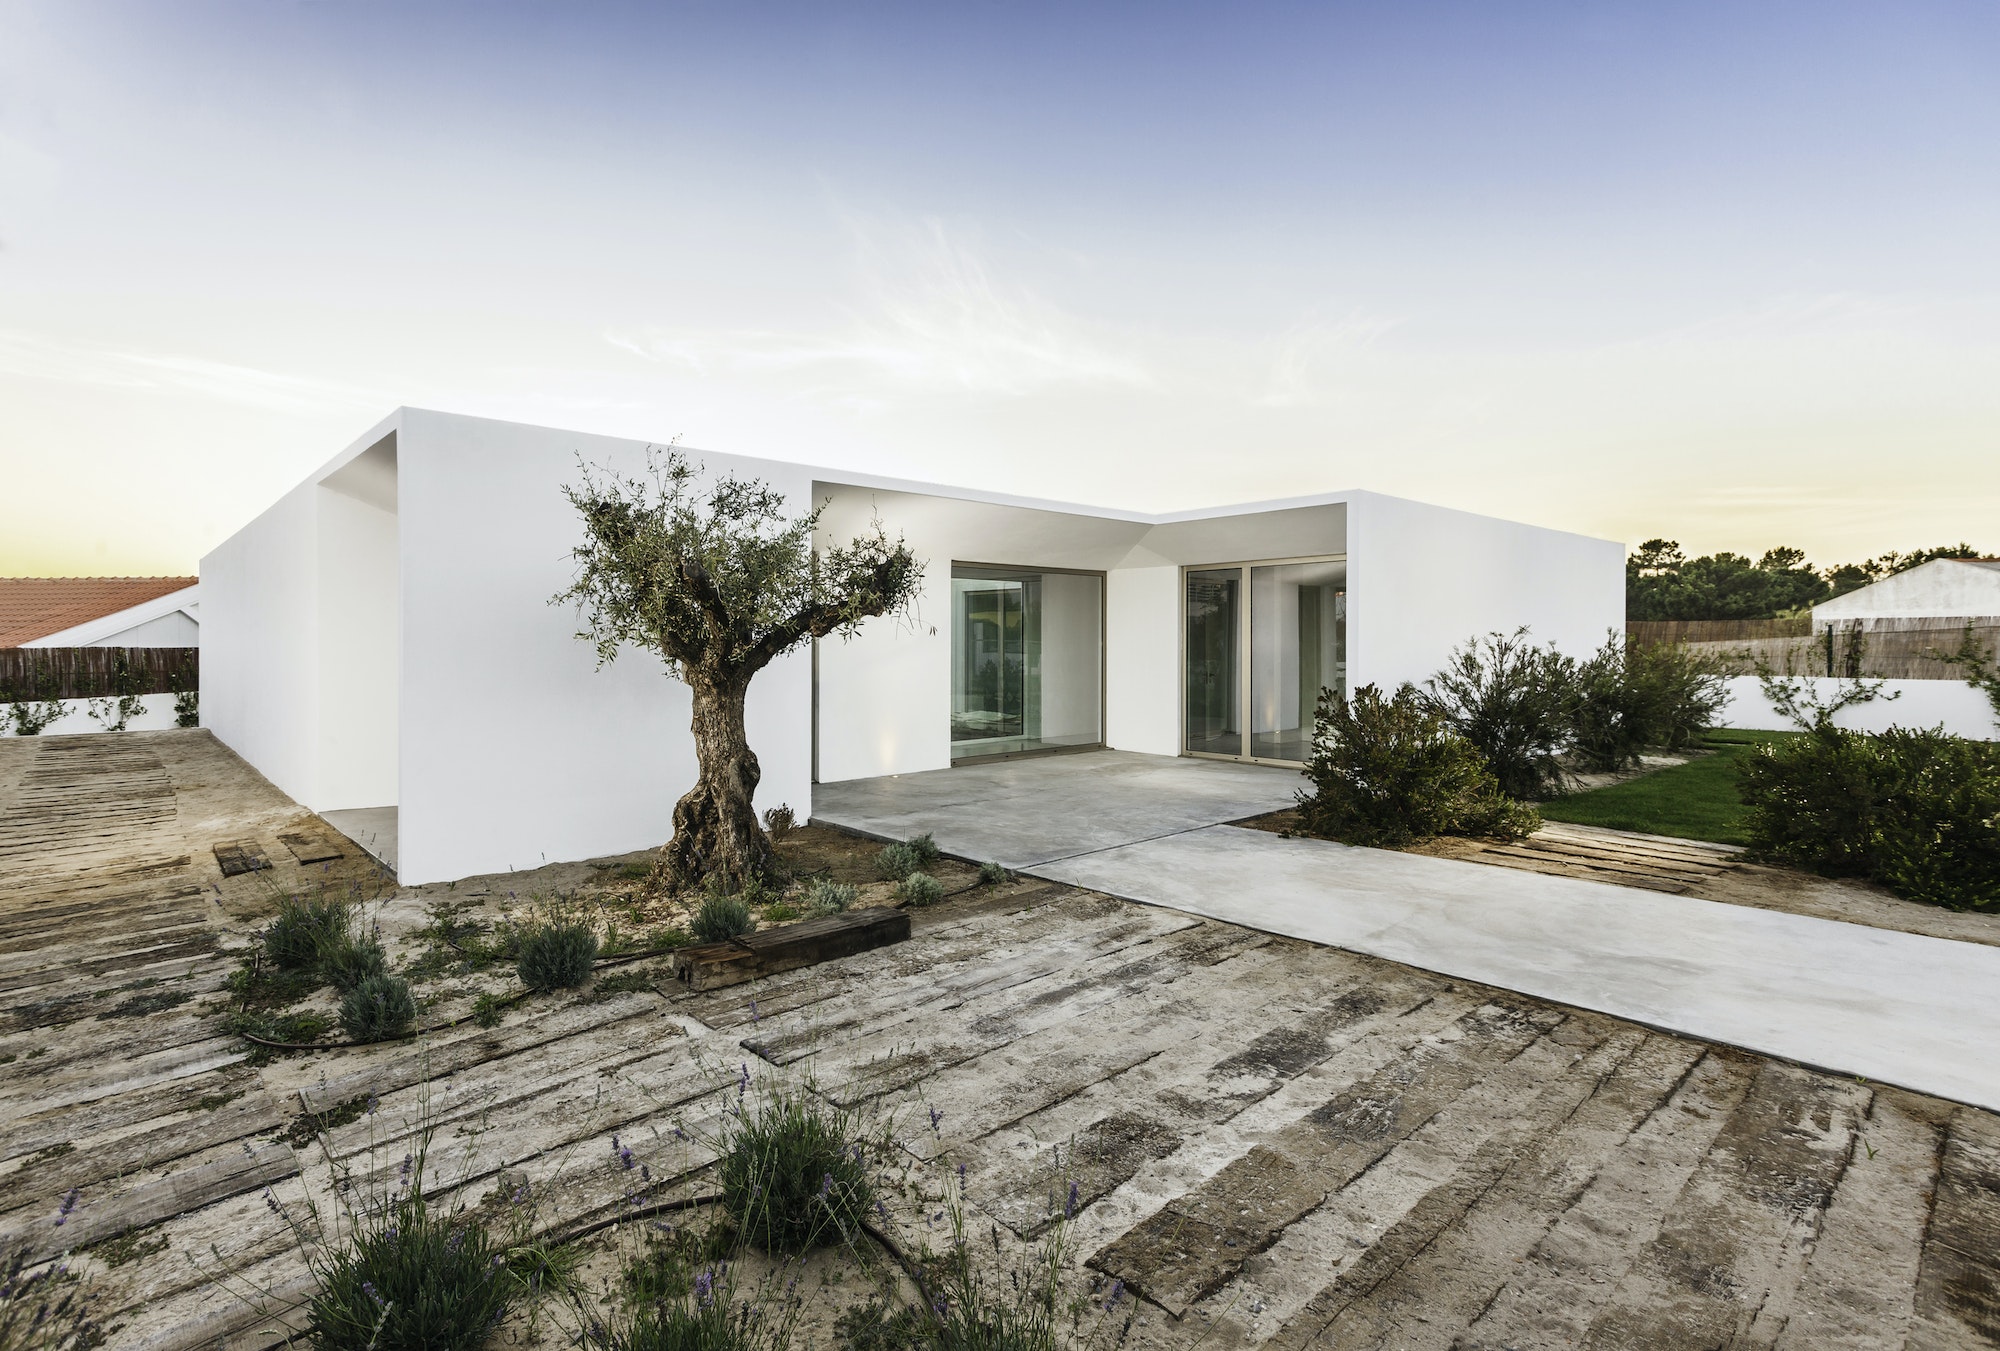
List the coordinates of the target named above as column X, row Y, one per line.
column 1922, row 1013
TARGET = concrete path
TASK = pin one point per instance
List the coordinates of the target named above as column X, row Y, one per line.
column 1024, row 813
column 1903, row 1009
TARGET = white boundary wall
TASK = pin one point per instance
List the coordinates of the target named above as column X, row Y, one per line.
column 76, row 719
column 1953, row 704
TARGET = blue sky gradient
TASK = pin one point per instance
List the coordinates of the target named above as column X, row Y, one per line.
column 1721, row 271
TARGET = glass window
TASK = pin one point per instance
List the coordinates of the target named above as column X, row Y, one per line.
column 1298, row 645
column 1214, row 714
column 1027, row 660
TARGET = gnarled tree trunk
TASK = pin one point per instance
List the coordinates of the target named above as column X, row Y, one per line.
column 715, row 823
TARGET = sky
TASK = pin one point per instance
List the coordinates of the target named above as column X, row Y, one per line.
column 1723, row 272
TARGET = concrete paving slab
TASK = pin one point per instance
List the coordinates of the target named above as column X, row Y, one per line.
column 1903, row 1009
column 1033, row 811
column 373, row 828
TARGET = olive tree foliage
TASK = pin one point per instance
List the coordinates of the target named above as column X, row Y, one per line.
column 719, row 582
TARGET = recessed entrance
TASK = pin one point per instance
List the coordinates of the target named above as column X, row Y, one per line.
column 1027, row 660
column 1260, row 641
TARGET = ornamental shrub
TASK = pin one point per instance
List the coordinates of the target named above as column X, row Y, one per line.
column 792, row 1175
column 412, row 1281
column 992, row 873
column 1628, row 696
column 921, row 889
column 722, row 916
column 377, row 1008
column 1389, row 771
column 556, row 955
column 824, row 896
column 1515, row 703
column 1917, row 811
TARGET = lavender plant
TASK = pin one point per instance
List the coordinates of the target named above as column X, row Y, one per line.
column 303, row 929
column 824, row 896
column 921, row 889
column 556, row 955
column 792, row 1172
column 43, row 1308
column 721, row 916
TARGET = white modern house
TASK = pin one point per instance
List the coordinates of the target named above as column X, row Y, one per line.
column 1945, row 588
column 381, row 638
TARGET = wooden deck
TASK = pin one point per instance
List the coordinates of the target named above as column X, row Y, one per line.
column 1273, row 1144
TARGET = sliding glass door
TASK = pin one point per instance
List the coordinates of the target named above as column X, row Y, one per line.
column 1293, row 644
column 1027, row 661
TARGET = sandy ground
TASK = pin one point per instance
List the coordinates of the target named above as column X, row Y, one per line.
column 1271, row 1143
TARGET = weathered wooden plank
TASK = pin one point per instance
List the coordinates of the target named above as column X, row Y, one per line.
column 1958, row 1287
column 1200, row 1240
column 97, row 1219
column 237, row 857
column 1744, row 1223
column 710, row 966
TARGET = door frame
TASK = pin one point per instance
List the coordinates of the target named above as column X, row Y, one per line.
column 1242, row 652
column 1103, row 657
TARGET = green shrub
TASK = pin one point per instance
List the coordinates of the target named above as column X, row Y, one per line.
column 378, row 1008
column 302, row 930
column 346, row 961
column 1811, row 801
column 1918, row 811
column 897, row 861
column 556, row 955
column 411, row 1281
column 992, row 874
column 1389, row 771
column 722, row 916
column 1629, row 696
column 824, row 896
column 791, row 1173
column 921, row 889
column 925, row 848
column 1515, row 703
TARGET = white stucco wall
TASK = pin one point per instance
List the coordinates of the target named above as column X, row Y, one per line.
column 358, row 636
column 1422, row 580
column 515, row 749
column 260, row 654
column 1956, row 706
column 1948, row 588
column 158, row 715
column 1142, row 660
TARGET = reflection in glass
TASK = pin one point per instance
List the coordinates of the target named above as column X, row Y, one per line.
column 1214, row 714
column 1027, row 661
column 1298, row 644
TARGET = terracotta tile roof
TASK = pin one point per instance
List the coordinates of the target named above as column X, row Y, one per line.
column 34, row 607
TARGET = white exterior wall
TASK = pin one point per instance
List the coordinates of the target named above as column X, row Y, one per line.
column 1142, row 660
column 515, row 749
column 383, row 634
column 260, row 663
column 1421, row 580
column 1947, row 588
column 1956, row 706
column 157, row 716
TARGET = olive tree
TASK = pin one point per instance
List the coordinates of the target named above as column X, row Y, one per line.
column 719, row 583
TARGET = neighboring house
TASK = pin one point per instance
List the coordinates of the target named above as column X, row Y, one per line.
column 1944, row 588
column 100, row 612
column 382, row 637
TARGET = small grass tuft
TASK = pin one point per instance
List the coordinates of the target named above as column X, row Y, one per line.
column 827, row 897
column 302, row 929
column 556, row 955
column 921, row 889
column 722, row 916
column 792, row 1174
column 378, row 1008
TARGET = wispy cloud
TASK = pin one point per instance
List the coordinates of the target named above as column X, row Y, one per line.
column 933, row 316
column 40, row 358
column 1308, row 363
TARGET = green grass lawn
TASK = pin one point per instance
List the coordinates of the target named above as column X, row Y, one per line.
column 1696, row 801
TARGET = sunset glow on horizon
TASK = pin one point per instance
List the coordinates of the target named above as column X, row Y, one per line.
column 1720, row 272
